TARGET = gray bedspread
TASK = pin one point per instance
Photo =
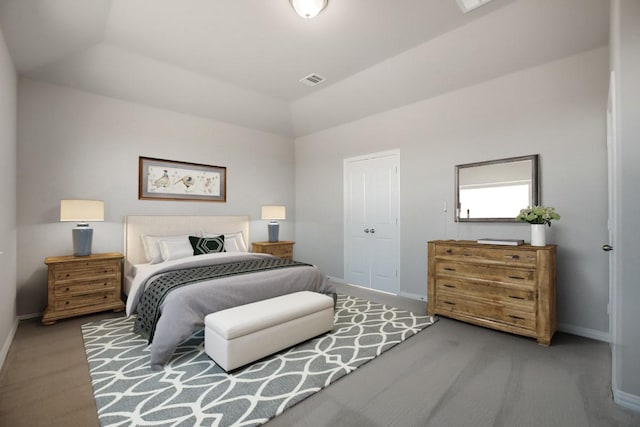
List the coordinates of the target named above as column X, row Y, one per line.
column 185, row 308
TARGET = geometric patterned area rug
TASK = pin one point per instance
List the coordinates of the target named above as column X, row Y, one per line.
column 193, row 391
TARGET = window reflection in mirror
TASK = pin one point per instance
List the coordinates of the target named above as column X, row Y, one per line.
column 496, row 190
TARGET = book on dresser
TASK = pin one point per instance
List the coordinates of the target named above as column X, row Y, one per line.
column 510, row 288
column 504, row 242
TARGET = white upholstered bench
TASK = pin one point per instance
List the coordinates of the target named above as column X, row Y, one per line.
column 246, row 333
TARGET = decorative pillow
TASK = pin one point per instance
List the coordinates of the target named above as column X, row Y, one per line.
column 207, row 245
column 152, row 246
column 233, row 242
column 175, row 249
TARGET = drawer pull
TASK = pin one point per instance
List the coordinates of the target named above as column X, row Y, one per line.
column 450, row 269
column 512, row 256
column 449, row 302
column 466, row 254
column 515, row 297
column 516, row 277
column 66, row 303
column 446, row 285
column 516, row 317
column 449, row 251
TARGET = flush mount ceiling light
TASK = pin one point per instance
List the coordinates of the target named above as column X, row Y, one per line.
column 308, row 8
column 469, row 5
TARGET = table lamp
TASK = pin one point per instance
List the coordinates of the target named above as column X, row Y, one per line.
column 274, row 213
column 82, row 211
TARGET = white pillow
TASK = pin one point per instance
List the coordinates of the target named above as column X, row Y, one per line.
column 233, row 242
column 152, row 246
column 175, row 249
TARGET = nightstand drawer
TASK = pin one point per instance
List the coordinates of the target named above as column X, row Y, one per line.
column 281, row 249
column 86, row 271
column 76, row 301
column 94, row 286
column 282, row 252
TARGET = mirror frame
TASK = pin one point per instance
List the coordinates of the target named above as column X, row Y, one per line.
column 535, row 193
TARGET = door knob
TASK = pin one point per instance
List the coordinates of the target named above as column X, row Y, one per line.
column 607, row 248
column 373, row 230
column 366, row 230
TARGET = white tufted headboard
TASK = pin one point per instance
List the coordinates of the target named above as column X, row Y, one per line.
column 166, row 225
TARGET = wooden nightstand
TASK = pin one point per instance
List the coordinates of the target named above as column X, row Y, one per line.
column 282, row 248
column 82, row 285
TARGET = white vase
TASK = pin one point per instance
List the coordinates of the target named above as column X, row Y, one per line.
column 538, row 235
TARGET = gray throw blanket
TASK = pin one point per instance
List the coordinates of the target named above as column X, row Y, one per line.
column 155, row 294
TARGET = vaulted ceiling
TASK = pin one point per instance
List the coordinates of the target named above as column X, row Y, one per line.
column 241, row 60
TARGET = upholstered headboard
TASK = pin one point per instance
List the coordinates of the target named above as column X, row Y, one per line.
column 166, row 225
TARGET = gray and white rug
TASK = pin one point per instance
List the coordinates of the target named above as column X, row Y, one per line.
column 193, row 391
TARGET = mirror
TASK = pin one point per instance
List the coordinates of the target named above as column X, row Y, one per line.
column 496, row 190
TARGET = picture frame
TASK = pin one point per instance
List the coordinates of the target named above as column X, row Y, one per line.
column 160, row 179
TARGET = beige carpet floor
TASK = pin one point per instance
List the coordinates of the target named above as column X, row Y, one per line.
column 452, row 374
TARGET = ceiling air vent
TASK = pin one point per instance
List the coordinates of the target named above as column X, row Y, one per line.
column 312, row 80
column 469, row 5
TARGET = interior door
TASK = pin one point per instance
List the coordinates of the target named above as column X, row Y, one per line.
column 372, row 221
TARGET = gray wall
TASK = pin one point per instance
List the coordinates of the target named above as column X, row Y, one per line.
column 556, row 110
column 8, row 89
column 74, row 144
column 625, row 41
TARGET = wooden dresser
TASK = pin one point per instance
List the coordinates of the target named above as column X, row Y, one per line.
column 281, row 249
column 82, row 285
column 509, row 288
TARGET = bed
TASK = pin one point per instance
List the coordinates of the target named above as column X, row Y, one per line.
column 170, row 291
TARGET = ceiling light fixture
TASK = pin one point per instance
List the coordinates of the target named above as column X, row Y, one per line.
column 308, row 8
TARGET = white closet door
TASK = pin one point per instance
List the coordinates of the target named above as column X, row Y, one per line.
column 372, row 221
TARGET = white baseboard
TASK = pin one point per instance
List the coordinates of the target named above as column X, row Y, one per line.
column 413, row 296
column 7, row 342
column 626, row 400
column 29, row 316
column 339, row 280
column 584, row 332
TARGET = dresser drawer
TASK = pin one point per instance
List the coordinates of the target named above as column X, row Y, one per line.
column 93, row 299
column 453, row 304
column 519, row 277
column 520, row 257
column 497, row 293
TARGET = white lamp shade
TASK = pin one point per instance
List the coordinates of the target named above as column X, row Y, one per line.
column 274, row 212
column 81, row 210
column 308, row 8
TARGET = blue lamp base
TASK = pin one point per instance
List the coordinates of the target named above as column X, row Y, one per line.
column 274, row 229
column 82, row 237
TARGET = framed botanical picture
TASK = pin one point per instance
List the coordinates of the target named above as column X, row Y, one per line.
column 169, row 180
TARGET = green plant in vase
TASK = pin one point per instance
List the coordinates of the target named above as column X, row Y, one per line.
column 538, row 215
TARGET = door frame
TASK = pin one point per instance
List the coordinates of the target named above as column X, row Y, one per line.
column 613, row 200
column 345, row 205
